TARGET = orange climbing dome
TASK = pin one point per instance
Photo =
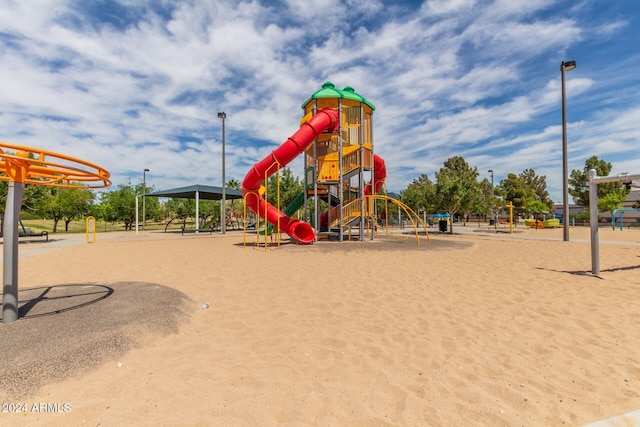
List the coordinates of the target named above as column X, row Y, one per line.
column 24, row 165
column 41, row 167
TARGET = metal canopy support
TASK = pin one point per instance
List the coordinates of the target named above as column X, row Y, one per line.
column 137, row 213
column 198, row 212
column 10, row 252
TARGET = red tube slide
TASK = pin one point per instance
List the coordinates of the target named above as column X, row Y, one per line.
column 324, row 120
column 379, row 175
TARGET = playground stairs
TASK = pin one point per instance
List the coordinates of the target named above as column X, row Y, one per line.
column 350, row 215
column 331, row 199
column 352, row 172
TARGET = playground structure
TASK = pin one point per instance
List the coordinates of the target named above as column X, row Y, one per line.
column 24, row 165
column 619, row 213
column 336, row 137
column 594, row 180
column 511, row 222
column 546, row 223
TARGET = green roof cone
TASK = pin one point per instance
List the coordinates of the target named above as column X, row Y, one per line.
column 329, row 91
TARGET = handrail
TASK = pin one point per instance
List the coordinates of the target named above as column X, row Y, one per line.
column 352, row 210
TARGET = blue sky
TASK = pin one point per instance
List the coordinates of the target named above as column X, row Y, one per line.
column 132, row 84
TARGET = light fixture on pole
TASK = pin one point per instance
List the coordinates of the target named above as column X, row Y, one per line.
column 565, row 66
column 144, row 191
column 223, row 203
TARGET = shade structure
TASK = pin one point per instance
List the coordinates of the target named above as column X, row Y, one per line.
column 197, row 192
column 204, row 192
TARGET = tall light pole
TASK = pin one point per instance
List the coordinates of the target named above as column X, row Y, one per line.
column 495, row 221
column 223, row 203
column 144, row 191
column 565, row 66
column 491, row 172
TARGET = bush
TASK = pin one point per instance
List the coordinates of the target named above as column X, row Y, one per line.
column 582, row 216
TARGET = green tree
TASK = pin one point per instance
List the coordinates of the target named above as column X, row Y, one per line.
column 579, row 182
column 612, row 201
column 512, row 189
column 485, row 200
column 74, row 203
column 419, row 195
column 33, row 198
column 185, row 209
column 152, row 210
column 234, row 184
column 523, row 189
column 538, row 185
column 209, row 211
column 65, row 204
column 120, row 205
column 181, row 209
column 98, row 210
column 456, row 187
column 52, row 206
column 290, row 188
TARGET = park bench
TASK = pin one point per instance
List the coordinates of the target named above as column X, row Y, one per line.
column 194, row 230
column 29, row 232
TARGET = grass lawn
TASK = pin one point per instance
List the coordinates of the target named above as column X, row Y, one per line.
column 101, row 226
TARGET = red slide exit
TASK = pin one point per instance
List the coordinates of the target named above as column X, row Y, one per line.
column 327, row 119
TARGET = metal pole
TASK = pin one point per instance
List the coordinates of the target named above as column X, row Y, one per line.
column 197, row 211
column 594, row 180
column 491, row 172
column 223, row 202
column 136, row 214
column 495, row 220
column 565, row 66
column 10, row 252
column 593, row 220
column 144, row 191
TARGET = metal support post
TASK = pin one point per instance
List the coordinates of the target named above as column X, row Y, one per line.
column 10, row 252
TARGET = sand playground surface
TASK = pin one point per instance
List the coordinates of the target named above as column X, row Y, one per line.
column 473, row 328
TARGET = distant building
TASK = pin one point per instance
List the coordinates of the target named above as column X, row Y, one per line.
column 631, row 216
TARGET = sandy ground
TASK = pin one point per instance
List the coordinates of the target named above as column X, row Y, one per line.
column 474, row 328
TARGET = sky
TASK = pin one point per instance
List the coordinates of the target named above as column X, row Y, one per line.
column 133, row 85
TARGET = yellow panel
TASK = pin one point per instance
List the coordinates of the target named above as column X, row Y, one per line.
column 350, row 149
column 350, row 103
column 327, row 103
column 329, row 172
column 306, row 118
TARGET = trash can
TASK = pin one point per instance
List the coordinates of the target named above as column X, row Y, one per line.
column 492, row 222
column 442, row 225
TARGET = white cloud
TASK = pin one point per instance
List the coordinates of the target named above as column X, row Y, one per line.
column 443, row 7
column 473, row 78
